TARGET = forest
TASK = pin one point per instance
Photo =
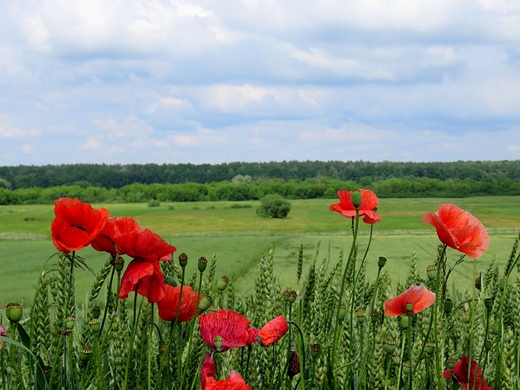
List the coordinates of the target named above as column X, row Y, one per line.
column 241, row 181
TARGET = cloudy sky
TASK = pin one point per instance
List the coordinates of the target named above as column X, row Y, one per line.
column 211, row 81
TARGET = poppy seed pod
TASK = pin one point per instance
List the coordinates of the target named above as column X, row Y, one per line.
column 405, row 322
column 222, row 283
column 14, row 312
column 96, row 312
column 69, row 323
column 95, row 324
column 431, row 272
column 183, row 260
column 85, row 353
column 201, row 264
column 315, row 350
column 360, row 315
column 205, row 303
column 218, row 343
column 381, row 262
column 119, row 263
column 488, row 302
column 292, row 296
column 356, row 197
column 390, row 346
column 448, row 306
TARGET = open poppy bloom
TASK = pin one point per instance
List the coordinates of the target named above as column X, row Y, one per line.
column 460, row 375
column 227, row 324
column 418, row 296
column 208, row 381
column 144, row 277
column 107, row 240
column 145, row 244
column 459, row 230
column 273, row 331
column 76, row 224
column 369, row 202
column 169, row 305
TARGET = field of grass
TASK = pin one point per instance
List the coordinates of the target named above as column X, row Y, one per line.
column 238, row 237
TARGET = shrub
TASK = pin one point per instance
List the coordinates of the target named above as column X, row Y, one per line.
column 154, row 203
column 273, row 206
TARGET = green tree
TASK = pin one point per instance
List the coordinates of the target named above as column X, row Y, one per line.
column 273, row 206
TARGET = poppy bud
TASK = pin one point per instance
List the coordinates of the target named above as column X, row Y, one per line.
column 222, row 283
column 431, row 272
column 14, row 312
column 448, row 306
column 390, row 346
column 119, row 263
column 69, row 323
column 183, row 260
column 84, row 354
column 218, row 340
column 96, row 311
column 405, row 322
column 315, row 350
column 95, row 324
column 201, row 264
column 381, row 262
column 205, row 303
column 357, row 198
column 294, row 364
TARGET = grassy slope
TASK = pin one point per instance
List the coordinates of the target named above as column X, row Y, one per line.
column 238, row 237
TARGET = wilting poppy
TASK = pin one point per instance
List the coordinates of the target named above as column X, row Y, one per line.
column 229, row 325
column 76, row 224
column 459, row 230
column 108, row 239
column 369, row 202
column 208, row 381
column 3, row 332
column 273, row 331
column 460, row 375
column 144, row 277
column 419, row 296
column 145, row 244
column 169, row 305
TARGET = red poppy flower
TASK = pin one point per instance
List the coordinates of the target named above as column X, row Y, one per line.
column 231, row 326
column 208, row 381
column 273, row 331
column 460, row 375
column 169, row 304
column 459, row 230
column 76, row 224
column 107, row 240
column 144, row 277
column 419, row 296
column 251, row 335
column 145, row 244
column 369, row 202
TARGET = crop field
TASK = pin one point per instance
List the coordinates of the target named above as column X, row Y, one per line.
column 238, row 237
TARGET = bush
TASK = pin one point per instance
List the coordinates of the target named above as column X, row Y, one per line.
column 273, row 206
column 154, row 203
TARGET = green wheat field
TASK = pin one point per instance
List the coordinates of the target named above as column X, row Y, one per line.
column 237, row 236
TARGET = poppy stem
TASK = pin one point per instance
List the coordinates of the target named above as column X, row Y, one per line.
column 337, row 325
column 109, row 294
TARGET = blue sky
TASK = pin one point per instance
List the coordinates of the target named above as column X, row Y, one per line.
column 211, row 81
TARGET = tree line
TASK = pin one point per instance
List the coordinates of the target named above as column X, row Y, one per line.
column 361, row 172
column 243, row 188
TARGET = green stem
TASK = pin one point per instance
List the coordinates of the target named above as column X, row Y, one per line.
column 337, row 326
column 110, row 295
column 409, row 334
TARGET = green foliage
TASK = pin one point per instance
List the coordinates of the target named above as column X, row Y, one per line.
column 154, row 203
column 273, row 206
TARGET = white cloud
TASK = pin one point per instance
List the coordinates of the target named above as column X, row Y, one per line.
column 91, row 144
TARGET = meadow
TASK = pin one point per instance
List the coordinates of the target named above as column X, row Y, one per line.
column 233, row 233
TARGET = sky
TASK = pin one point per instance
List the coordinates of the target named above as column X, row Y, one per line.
column 213, row 81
